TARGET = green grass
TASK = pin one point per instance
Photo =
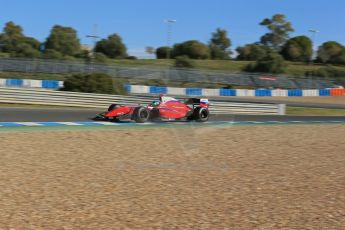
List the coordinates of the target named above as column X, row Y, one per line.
column 230, row 66
column 293, row 68
column 314, row 111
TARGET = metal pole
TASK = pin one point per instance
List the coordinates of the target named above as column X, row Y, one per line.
column 94, row 40
column 169, row 34
column 313, row 32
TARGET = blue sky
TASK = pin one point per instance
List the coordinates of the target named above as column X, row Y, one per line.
column 141, row 22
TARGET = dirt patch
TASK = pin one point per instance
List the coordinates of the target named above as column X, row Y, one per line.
column 264, row 177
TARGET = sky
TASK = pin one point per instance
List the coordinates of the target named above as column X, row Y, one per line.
column 141, row 22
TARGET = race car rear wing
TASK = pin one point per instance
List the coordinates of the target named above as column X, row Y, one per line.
column 197, row 101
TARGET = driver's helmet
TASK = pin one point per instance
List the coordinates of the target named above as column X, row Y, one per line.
column 155, row 103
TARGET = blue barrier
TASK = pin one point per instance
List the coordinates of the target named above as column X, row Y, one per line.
column 128, row 88
column 158, row 90
column 227, row 92
column 194, row 91
column 263, row 93
column 324, row 92
column 295, row 93
column 14, row 82
column 50, row 84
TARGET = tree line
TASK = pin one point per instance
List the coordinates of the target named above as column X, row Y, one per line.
column 269, row 53
column 62, row 43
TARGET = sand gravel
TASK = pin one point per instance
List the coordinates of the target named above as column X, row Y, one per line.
column 263, row 177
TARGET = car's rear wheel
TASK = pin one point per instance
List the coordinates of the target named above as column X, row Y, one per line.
column 201, row 114
column 141, row 114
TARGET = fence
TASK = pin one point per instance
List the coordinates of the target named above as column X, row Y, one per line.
column 164, row 74
column 88, row 100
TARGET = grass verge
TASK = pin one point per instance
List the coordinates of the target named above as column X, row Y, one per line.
column 314, row 111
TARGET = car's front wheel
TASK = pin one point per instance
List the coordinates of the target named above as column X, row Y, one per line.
column 141, row 114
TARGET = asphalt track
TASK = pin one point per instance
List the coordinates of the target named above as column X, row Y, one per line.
column 24, row 114
column 288, row 103
column 271, row 101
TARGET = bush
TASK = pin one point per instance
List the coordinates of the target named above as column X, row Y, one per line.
column 52, row 54
column 100, row 57
column 193, row 49
column 93, row 83
column 252, row 52
column 330, row 72
column 271, row 63
column 162, row 52
column 184, row 62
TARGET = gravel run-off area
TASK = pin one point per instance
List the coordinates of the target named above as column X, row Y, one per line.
column 235, row 177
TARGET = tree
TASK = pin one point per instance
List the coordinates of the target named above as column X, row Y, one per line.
column 13, row 41
column 252, row 52
column 279, row 30
column 112, row 47
column 298, row 49
column 63, row 40
column 220, row 44
column 162, row 52
column 193, row 49
column 331, row 52
column 271, row 63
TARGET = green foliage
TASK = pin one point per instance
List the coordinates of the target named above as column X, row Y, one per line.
column 91, row 83
column 193, row 49
column 14, row 42
column 52, row 54
column 25, row 50
column 252, row 52
column 271, row 63
column 331, row 52
column 112, row 47
column 162, row 52
column 100, row 57
column 220, row 44
column 298, row 49
column 279, row 30
column 64, row 40
column 330, row 72
column 184, row 62
column 131, row 58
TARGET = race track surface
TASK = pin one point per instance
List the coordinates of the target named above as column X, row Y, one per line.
column 14, row 114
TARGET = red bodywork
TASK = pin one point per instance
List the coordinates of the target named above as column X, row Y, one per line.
column 173, row 109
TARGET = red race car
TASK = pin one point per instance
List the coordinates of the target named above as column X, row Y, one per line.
column 166, row 108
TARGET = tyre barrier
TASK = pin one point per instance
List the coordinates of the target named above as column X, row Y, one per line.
column 141, row 89
column 28, row 83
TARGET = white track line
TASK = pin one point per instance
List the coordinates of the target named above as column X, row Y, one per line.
column 69, row 123
column 106, row 123
column 29, row 123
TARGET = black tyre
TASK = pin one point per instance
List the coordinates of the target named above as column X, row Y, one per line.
column 201, row 114
column 141, row 114
column 111, row 107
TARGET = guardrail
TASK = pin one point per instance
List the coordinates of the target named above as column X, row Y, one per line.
column 89, row 100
